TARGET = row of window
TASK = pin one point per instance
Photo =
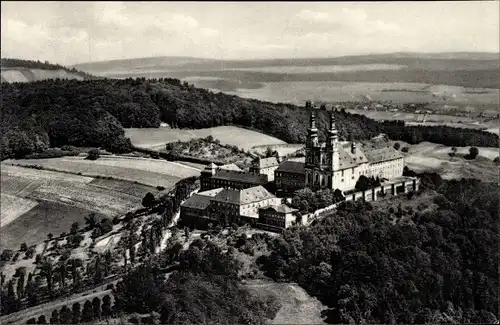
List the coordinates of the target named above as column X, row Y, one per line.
column 287, row 175
column 274, row 215
column 274, row 222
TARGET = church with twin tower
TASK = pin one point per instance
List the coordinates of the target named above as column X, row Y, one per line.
column 338, row 165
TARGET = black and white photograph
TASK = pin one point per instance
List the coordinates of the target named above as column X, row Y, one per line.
column 267, row 162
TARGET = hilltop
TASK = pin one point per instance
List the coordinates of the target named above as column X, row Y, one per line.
column 15, row 70
column 54, row 113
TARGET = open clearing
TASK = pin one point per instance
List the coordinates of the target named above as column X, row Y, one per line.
column 298, row 307
column 151, row 172
column 432, row 157
column 156, row 138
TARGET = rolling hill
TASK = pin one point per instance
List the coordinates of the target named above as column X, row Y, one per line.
column 14, row 70
column 467, row 69
column 55, row 113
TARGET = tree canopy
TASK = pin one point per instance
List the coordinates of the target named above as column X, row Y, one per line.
column 433, row 265
column 93, row 113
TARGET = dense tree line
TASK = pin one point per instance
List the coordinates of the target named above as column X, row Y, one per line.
column 54, row 113
column 447, row 135
column 93, row 310
column 203, row 290
column 431, row 266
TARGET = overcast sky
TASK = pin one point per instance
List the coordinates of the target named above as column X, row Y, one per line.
column 75, row 32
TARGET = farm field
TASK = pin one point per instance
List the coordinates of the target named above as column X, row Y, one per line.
column 34, row 226
column 191, row 164
column 156, row 138
column 150, row 172
column 13, row 207
column 433, row 157
column 298, row 92
column 38, row 202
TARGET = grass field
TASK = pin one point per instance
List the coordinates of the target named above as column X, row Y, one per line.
column 152, row 138
column 298, row 307
column 145, row 171
column 34, row 226
column 433, row 157
column 13, row 207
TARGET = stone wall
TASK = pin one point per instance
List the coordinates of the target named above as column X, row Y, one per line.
column 410, row 184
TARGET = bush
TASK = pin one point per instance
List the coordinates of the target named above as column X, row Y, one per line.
column 397, row 146
column 106, row 225
column 49, row 153
column 65, row 255
column 149, row 200
column 30, row 252
column 405, row 149
column 24, row 247
column 7, row 255
column 93, row 154
column 473, row 152
column 496, row 160
column 160, row 188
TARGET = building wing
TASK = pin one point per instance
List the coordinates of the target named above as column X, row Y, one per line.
column 382, row 154
column 240, row 176
column 197, row 201
column 295, row 167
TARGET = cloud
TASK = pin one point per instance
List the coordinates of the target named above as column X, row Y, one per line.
column 348, row 20
column 71, row 32
column 209, row 32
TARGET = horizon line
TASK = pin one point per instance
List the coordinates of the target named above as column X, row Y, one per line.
column 285, row 58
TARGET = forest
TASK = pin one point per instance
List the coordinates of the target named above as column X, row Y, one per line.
column 430, row 266
column 93, row 113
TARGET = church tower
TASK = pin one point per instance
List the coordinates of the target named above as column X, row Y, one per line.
column 312, row 132
column 333, row 144
column 312, row 152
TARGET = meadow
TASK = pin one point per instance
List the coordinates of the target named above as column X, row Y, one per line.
column 433, row 157
column 297, row 306
column 156, row 139
column 38, row 202
column 144, row 171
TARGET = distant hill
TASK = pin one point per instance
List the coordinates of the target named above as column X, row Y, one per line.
column 467, row 69
column 15, row 70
